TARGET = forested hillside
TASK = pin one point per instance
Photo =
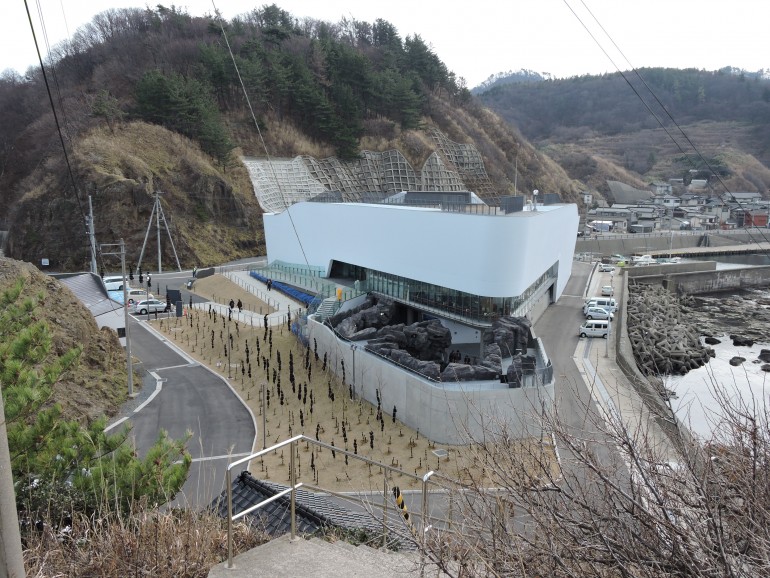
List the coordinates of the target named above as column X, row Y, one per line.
column 314, row 88
column 656, row 123
column 151, row 100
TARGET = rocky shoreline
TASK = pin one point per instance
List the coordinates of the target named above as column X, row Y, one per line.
column 663, row 339
column 666, row 330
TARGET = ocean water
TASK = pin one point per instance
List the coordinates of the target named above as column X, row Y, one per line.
column 702, row 393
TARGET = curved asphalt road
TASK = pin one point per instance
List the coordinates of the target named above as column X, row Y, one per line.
column 193, row 398
column 190, row 397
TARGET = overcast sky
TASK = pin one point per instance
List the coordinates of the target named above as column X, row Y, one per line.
column 483, row 37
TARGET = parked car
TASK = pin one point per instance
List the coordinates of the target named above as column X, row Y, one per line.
column 598, row 313
column 592, row 328
column 138, row 295
column 606, row 268
column 148, row 306
column 607, row 291
column 642, row 260
column 606, row 303
column 133, row 294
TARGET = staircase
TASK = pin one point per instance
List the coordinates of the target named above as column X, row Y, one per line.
column 327, row 308
column 316, row 558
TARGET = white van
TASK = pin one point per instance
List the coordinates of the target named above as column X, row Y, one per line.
column 113, row 278
column 114, row 285
column 607, row 303
column 594, row 328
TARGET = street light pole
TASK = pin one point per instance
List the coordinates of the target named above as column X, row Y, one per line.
column 129, row 365
column 229, row 344
column 264, row 417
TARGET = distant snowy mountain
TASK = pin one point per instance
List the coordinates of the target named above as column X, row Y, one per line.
column 511, row 77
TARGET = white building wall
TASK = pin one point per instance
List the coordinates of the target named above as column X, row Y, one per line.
column 449, row 416
column 491, row 256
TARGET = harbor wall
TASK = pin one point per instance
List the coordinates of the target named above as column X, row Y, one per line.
column 695, row 282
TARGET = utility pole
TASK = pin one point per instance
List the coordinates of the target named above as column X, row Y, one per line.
column 91, row 236
column 157, row 213
column 129, row 364
column 516, row 174
column 11, row 557
column 157, row 228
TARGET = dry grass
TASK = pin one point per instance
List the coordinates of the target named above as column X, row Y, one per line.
column 173, row 544
column 335, row 417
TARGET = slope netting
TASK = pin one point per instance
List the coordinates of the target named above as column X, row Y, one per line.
column 369, row 178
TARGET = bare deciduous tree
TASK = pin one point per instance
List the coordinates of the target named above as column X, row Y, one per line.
column 620, row 505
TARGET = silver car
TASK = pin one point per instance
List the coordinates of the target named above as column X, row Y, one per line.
column 598, row 313
column 146, row 306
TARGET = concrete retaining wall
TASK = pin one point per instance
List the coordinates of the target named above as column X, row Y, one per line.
column 694, row 283
column 662, row 241
column 670, row 268
column 648, row 388
column 453, row 414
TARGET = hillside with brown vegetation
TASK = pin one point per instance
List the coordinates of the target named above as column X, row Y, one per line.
column 97, row 384
column 673, row 124
column 151, row 101
column 212, row 213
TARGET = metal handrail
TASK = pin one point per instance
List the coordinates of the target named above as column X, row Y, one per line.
column 294, row 485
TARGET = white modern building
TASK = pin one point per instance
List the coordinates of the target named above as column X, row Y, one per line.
column 445, row 256
column 472, row 261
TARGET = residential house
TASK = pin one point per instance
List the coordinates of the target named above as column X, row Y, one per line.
column 741, row 198
column 666, row 201
column 692, row 200
column 661, row 188
column 755, row 218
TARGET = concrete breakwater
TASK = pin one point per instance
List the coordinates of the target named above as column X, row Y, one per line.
column 695, row 283
column 663, row 340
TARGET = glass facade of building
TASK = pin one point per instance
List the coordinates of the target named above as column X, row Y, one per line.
column 472, row 307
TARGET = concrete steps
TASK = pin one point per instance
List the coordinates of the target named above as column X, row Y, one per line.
column 327, row 308
column 316, row 558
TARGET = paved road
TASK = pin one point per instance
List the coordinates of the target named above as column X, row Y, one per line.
column 194, row 398
column 558, row 328
column 190, row 398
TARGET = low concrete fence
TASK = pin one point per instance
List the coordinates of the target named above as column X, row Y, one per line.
column 693, row 283
column 448, row 413
column 670, row 268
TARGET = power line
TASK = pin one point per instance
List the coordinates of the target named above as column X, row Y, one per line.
column 259, row 132
column 660, row 104
column 55, row 115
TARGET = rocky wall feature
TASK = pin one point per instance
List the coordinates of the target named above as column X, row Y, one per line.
column 419, row 347
column 664, row 340
column 357, row 323
column 422, row 346
column 511, row 334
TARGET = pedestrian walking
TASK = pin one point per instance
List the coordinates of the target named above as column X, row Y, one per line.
column 240, row 306
column 232, row 304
